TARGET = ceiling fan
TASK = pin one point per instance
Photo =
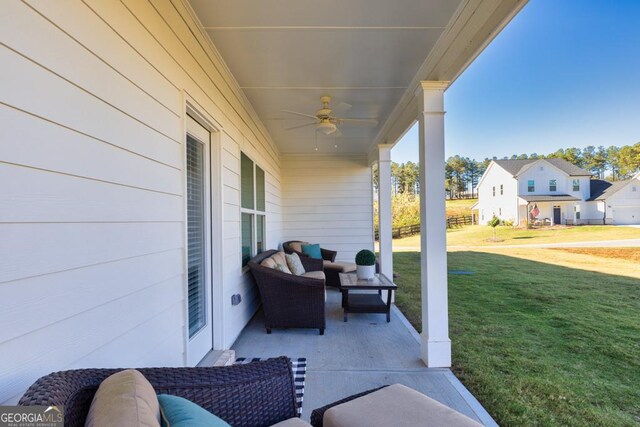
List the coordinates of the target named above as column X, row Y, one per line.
column 325, row 119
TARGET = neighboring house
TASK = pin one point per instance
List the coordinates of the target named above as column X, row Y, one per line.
column 554, row 191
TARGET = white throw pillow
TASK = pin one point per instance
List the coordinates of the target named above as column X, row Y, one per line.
column 294, row 264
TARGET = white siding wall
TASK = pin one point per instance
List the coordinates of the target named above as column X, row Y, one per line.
column 91, row 201
column 327, row 199
column 490, row 204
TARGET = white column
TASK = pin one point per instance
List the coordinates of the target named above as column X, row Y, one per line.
column 435, row 346
column 384, row 210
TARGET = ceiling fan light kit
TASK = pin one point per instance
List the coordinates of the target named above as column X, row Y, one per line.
column 325, row 122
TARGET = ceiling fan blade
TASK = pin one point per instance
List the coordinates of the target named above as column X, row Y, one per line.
column 301, row 126
column 358, row 122
column 341, row 108
column 300, row 114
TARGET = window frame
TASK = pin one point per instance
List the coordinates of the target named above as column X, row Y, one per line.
column 502, row 189
column 576, row 184
column 553, row 185
column 531, row 185
column 253, row 213
column 494, row 191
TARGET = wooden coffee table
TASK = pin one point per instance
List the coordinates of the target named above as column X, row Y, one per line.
column 366, row 302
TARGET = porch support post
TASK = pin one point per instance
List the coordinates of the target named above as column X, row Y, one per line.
column 435, row 346
column 384, row 210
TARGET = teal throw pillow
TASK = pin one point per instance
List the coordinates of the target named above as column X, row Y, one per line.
column 312, row 250
column 179, row 412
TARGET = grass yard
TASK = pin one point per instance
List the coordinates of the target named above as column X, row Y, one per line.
column 537, row 343
column 459, row 207
column 477, row 235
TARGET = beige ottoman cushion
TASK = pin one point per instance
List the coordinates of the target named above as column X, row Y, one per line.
column 125, row 398
column 340, row 266
column 292, row 422
column 397, row 406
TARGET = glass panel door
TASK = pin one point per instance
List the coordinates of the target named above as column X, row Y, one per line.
column 195, row 236
column 198, row 229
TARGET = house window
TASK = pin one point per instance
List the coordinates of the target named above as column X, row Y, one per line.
column 252, row 208
column 576, row 185
column 576, row 209
column 501, row 189
column 633, row 188
column 500, row 211
column 552, row 185
column 531, row 186
column 494, row 191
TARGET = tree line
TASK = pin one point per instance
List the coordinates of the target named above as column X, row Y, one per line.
column 463, row 173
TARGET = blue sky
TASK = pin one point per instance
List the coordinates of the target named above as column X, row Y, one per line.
column 563, row 73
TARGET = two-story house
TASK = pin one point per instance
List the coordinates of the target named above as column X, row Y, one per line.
column 554, row 191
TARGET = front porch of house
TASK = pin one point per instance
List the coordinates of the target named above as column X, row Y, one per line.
column 364, row 353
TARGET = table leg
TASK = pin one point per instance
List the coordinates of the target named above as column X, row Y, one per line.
column 345, row 303
column 389, row 305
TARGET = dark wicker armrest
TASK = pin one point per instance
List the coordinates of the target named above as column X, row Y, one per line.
column 318, row 414
column 328, row 254
column 311, row 264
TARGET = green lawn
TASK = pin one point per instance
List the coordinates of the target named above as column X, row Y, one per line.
column 539, row 344
column 477, row 235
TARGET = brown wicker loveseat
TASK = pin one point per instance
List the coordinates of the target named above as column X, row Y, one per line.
column 331, row 267
column 255, row 394
column 290, row 301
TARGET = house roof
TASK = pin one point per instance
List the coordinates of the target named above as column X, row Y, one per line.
column 601, row 189
column 515, row 167
column 550, row 198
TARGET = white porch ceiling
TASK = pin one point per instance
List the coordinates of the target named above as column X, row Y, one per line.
column 285, row 54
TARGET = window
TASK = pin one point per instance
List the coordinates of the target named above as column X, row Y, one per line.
column 576, row 185
column 500, row 211
column 494, row 191
column 252, row 208
column 531, row 186
column 576, row 209
column 633, row 188
column 196, row 202
column 552, row 185
column 501, row 189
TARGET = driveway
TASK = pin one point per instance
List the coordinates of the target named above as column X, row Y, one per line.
column 626, row 243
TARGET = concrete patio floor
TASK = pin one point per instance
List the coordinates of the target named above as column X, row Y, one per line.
column 364, row 353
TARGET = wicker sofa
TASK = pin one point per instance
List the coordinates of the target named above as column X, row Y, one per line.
column 255, row 394
column 290, row 301
column 331, row 267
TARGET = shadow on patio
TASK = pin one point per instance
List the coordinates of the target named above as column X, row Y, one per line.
column 364, row 353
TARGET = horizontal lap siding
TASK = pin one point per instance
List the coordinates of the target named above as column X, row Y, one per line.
column 328, row 200
column 91, row 162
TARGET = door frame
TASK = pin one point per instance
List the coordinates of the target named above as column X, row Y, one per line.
column 553, row 213
column 214, row 232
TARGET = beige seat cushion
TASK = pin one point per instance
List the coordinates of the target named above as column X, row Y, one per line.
column 314, row 274
column 125, row 398
column 292, row 422
column 297, row 246
column 398, row 406
column 281, row 262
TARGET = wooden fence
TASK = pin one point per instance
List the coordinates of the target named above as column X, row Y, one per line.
column 410, row 230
